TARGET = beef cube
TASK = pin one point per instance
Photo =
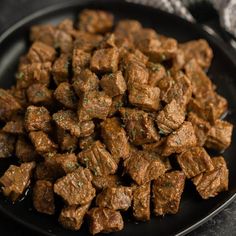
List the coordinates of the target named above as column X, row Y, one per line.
column 156, row 73
column 65, row 94
column 199, row 50
column 180, row 140
column 94, row 104
column 16, row 179
column 219, row 136
column 102, row 182
column 145, row 97
column 60, row 69
column 210, row 183
column 39, row 94
column 68, row 121
column 66, row 25
column 71, row 217
column 8, row 105
column 143, row 166
column 15, row 126
column 84, row 82
column 141, row 202
column 86, row 141
column 113, row 84
column 43, row 172
column 194, row 161
column 139, row 126
column 86, row 128
column 170, row 118
column 108, row 41
column 40, row 52
column 76, row 188
column 178, row 60
column 42, row 143
column 80, row 60
column 95, row 21
column 167, row 191
column 43, row 197
column 104, row 220
column 37, row 118
column 115, row 198
column 98, row 159
column 115, row 138
column 63, row 41
column 105, row 60
column 24, row 150
column 117, row 103
column 7, row 143
column 201, row 128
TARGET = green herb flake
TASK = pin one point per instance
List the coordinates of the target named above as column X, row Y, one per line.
column 163, row 57
column 20, row 75
column 161, row 131
column 80, row 184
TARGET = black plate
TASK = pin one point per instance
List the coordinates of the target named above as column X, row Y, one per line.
column 193, row 210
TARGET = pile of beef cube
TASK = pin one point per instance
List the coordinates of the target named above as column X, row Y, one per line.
column 99, row 112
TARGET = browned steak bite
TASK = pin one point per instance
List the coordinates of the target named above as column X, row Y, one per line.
column 104, row 220
column 43, row 172
column 139, row 126
column 16, row 179
column 43, row 197
column 115, row 138
column 156, row 73
column 170, row 118
column 39, row 94
column 105, row 60
column 67, row 120
column 113, row 84
column 194, row 161
column 210, row 183
column 71, row 217
column 95, row 21
column 115, row 198
column 219, row 136
column 94, row 104
column 40, row 52
column 15, row 126
column 144, row 96
column 8, row 105
column 98, row 159
column 42, row 143
column 7, row 143
column 167, row 191
column 85, row 81
column 65, row 94
column 102, row 182
column 37, row 118
column 76, row 187
column 80, row 60
column 141, row 202
column 86, row 128
column 180, row 140
column 143, row 166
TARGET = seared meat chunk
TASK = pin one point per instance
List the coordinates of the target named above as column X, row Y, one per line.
column 80, row 60
column 113, row 84
column 141, row 202
column 210, row 183
column 170, row 118
column 43, row 197
column 115, row 138
column 43, row 172
column 145, row 97
column 94, row 104
column 86, row 128
column 98, row 159
column 71, row 217
column 95, row 21
column 67, row 120
column 105, row 60
column 143, row 166
column 115, row 198
column 180, row 140
column 102, row 182
column 167, row 191
column 104, row 220
column 15, row 126
column 37, row 118
column 16, row 179
column 194, row 161
column 156, row 73
column 7, row 143
column 65, row 94
column 42, row 143
column 139, row 126
column 76, row 187
column 8, row 105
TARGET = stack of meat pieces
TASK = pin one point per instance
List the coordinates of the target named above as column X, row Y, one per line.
column 97, row 112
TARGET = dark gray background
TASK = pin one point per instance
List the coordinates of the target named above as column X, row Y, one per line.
column 13, row 10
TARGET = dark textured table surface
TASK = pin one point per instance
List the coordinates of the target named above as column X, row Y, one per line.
column 12, row 10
